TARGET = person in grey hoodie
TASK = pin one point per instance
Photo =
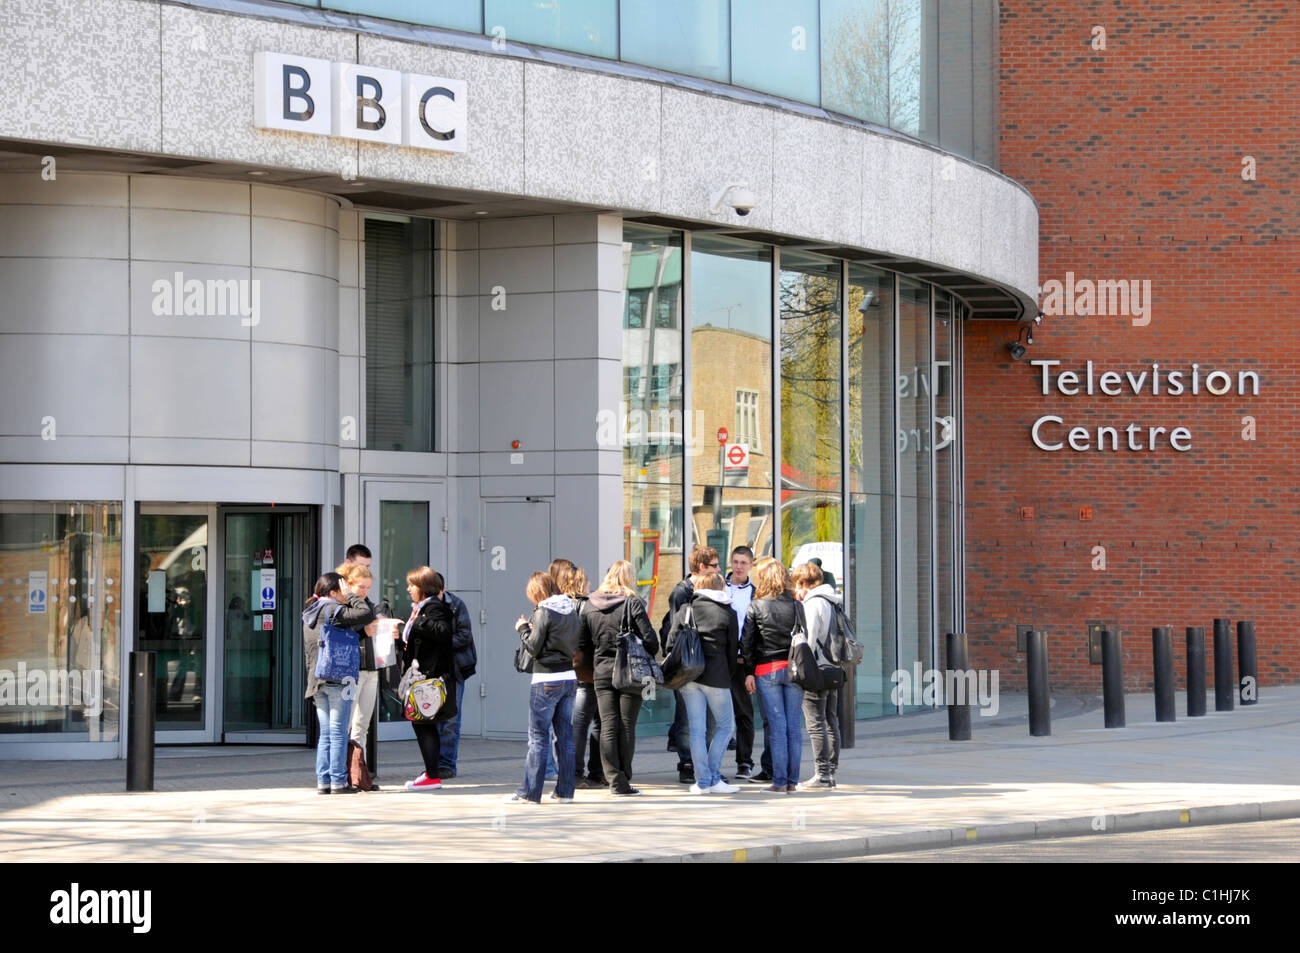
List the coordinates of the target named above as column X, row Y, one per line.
column 551, row 639
column 820, row 709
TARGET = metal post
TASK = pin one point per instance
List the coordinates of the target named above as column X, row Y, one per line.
column 958, row 715
column 1040, row 693
column 1162, row 657
column 140, row 725
column 1112, row 678
column 1195, row 671
column 1247, row 664
column 848, row 703
column 372, row 737
column 1223, row 665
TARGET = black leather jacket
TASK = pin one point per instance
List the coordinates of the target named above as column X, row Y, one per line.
column 552, row 636
column 429, row 640
column 602, row 616
column 768, row 625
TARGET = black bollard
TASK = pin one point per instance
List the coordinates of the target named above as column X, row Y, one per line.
column 372, row 738
column 140, row 723
column 1195, row 671
column 1162, row 657
column 1247, row 664
column 958, row 715
column 1040, row 693
column 847, row 699
column 1223, row 665
column 1112, row 678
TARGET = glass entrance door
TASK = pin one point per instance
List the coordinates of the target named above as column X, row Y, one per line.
column 174, row 616
column 267, row 574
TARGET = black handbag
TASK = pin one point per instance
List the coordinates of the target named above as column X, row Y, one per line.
column 685, row 661
column 523, row 658
column 634, row 668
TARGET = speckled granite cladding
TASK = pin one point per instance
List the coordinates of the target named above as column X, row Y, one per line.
column 178, row 81
column 590, row 137
column 81, row 71
column 207, row 89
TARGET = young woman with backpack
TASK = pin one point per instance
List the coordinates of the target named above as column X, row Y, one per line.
column 765, row 649
column 333, row 605
column 820, row 708
column 602, row 627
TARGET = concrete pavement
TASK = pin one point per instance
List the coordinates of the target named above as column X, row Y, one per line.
column 904, row 787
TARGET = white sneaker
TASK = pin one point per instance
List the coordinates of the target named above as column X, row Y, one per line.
column 696, row 789
column 722, row 787
column 516, row 799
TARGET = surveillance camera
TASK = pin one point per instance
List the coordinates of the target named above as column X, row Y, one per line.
column 737, row 195
column 742, row 200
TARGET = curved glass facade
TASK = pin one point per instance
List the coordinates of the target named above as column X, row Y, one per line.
column 923, row 67
column 803, row 406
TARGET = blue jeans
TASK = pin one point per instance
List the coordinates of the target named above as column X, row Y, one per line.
column 334, row 712
column 449, row 735
column 783, row 712
column 550, row 708
column 701, row 702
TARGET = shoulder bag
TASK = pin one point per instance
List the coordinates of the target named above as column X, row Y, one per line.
column 634, row 668
column 685, row 661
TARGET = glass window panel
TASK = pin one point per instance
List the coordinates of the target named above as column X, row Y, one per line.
column 61, row 584
column 984, row 81
column 731, row 389
column 905, row 66
column 464, row 15
column 653, row 428
column 684, row 36
column 871, row 389
column 583, row 26
column 855, row 39
column 956, row 133
column 811, row 417
column 403, row 546
column 915, row 504
column 928, row 92
column 871, row 565
column 399, row 334
column 775, row 47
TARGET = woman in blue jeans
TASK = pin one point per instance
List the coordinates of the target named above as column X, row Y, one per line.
column 769, row 624
column 551, row 638
column 332, row 602
column 709, row 612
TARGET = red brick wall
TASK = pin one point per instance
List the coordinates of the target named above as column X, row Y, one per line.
column 1134, row 155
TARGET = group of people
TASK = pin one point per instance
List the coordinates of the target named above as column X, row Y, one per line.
column 746, row 622
column 436, row 635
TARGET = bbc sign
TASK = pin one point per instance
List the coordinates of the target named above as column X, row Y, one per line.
column 301, row 94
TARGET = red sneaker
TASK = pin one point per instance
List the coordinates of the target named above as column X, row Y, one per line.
column 424, row 783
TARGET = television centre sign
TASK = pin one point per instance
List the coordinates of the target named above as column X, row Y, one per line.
column 349, row 101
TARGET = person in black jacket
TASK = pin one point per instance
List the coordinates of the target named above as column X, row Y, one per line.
column 709, row 613
column 333, row 699
column 602, row 617
column 765, row 650
column 551, row 639
column 703, row 559
column 427, row 640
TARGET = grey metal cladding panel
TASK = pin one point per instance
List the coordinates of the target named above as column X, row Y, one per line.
column 516, row 402
column 523, row 330
column 145, row 301
column 289, row 393
column 81, row 70
column 297, row 308
column 590, row 137
column 173, row 397
column 494, row 156
column 78, row 380
column 207, row 89
column 68, row 295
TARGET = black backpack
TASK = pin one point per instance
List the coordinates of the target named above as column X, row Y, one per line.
column 845, row 650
